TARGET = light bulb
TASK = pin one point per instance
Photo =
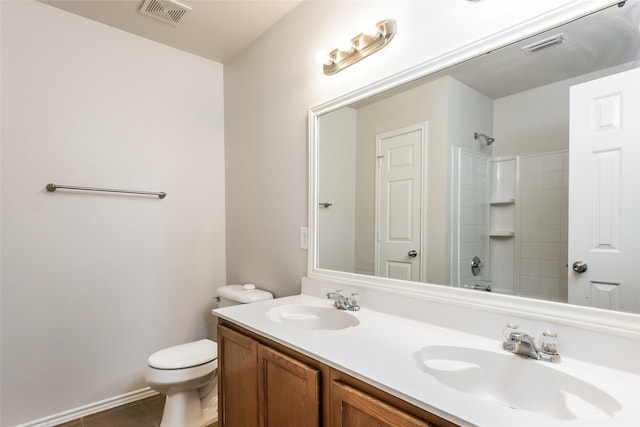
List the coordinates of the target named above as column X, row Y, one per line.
column 323, row 58
column 371, row 30
column 344, row 45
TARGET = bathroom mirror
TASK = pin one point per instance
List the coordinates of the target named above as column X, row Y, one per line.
column 466, row 176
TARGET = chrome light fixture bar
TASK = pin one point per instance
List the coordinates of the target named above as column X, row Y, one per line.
column 360, row 47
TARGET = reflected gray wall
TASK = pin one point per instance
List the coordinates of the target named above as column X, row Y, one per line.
column 452, row 111
column 337, row 185
column 423, row 104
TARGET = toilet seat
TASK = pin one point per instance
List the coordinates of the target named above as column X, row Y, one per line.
column 184, row 355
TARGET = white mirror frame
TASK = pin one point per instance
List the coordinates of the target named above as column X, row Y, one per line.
column 618, row 323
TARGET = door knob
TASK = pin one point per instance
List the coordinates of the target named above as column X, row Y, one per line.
column 579, row 267
column 413, row 253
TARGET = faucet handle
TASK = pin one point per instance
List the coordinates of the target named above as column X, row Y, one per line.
column 353, row 301
column 338, row 299
column 508, row 329
column 549, row 342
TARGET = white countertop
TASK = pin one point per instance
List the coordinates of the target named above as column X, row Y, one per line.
column 382, row 350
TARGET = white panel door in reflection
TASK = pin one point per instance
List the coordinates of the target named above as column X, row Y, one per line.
column 604, row 195
column 399, row 189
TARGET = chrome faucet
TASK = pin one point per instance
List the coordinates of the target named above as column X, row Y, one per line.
column 524, row 345
column 344, row 303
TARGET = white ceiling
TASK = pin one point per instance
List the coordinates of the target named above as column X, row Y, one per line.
column 596, row 42
column 215, row 29
column 221, row 29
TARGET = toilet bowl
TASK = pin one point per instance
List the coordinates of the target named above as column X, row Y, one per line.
column 187, row 373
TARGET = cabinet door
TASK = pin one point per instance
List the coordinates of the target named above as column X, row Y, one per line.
column 354, row 408
column 237, row 379
column 289, row 391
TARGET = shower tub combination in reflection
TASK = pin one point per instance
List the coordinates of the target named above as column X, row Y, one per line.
column 510, row 222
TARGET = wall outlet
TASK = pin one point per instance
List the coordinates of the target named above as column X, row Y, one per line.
column 303, row 234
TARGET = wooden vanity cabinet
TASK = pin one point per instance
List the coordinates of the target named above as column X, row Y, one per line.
column 237, row 379
column 288, row 390
column 266, row 384
column 355, row 403
column 261, row 384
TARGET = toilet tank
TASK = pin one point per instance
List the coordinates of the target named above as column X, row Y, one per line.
column 241, row 294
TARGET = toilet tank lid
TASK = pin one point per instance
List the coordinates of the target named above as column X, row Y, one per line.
column 244, row 294
column 184, row 355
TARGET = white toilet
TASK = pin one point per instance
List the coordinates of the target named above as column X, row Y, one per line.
column 186, row 373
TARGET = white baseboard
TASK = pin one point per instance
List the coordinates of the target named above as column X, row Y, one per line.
column 91, row 408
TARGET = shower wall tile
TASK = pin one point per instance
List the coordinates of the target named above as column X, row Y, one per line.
column 531, row 216
column 551, row 162
column 553, row 251
column 551, row 215
column 552, row 180
column 543, row 202
column 550, row 286
column 549, row 269
column 529, row 250
column 530, row 267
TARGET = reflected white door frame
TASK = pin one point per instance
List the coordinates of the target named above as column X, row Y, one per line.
column 400, row 251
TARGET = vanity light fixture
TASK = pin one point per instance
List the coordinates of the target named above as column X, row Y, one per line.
column 359, row 47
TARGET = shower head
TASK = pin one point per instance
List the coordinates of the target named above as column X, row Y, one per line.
column 487, row 140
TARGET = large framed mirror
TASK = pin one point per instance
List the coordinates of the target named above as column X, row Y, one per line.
column 514, row 172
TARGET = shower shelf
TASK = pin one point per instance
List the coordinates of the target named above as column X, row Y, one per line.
column 507, row 201
column 501, row 233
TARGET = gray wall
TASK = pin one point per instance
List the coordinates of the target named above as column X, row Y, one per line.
column 92, row 284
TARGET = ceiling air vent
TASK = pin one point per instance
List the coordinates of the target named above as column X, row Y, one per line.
column 543, row 44
column 169, row 11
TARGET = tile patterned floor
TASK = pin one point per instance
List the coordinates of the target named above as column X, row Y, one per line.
column 143, row 413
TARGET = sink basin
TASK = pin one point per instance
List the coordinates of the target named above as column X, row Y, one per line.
column 312, row 317
column 514, row 381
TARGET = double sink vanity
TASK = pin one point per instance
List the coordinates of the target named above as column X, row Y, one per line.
column 406, row 344
column 302, row 357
